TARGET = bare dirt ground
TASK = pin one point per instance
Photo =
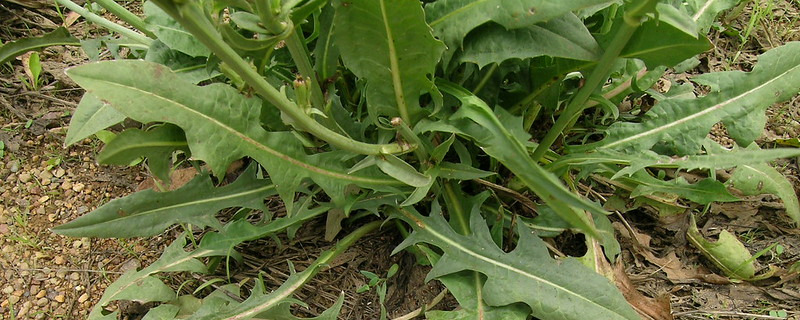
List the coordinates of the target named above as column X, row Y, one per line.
column 46, row 276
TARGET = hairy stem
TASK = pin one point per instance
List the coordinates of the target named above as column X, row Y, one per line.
column 91, row 17
column 126, row 16
column 192, row 17
column 632, row 20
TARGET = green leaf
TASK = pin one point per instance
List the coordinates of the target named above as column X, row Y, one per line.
column 271, row 303
column 164, row 311
column 703, row 192
column 460, row 171
column 221, row 125
column 762, row 179
column 192, row 68
column 677, row 16
column 463, row 287
column 452, row 20
column 157, row 145
column 564, row 37
column 648, row 159
column 176, row 259
column 326, row 53
column 91, row 116
column 727, row 253
column 147, row 213
column 402, row 171
column 58, row 37
column 552, row 289
column 505, row 143
column 737, row 98
column 172, row 33
column 388, row 45
column 467, row 286
column 662, row 44
column 248, row 21
column 704, row 12
column 141, row 286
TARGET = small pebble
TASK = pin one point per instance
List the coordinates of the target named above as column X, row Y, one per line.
column 24, row 177
column 77, row 187
column 59, row 260
column 44, row 199
column 74, row 276
column 41, row 294
column 8, row 290
column 60, row 298
column 83, row 298
column 42, row 302
column 59, row 172
column 13, row 299
column 13, row 166
column 66, row 185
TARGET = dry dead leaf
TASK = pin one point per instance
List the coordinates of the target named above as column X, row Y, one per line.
column 178, row 178
column 71, row 18
column 648, row 308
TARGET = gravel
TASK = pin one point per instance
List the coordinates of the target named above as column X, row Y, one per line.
column 44, row 275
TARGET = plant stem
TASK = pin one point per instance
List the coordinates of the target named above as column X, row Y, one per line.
column 422, row 151
column 192, row 17
column 630, row 22
column 126, row 16
column 91, row 17
column 297, row 48
column 485, row 78
column 264, row 8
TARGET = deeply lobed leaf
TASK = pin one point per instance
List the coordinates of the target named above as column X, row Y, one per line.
column 148, row 213
column 737, row 98
column 220, row 124
column 553, row 290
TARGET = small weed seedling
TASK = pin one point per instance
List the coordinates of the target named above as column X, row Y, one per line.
column 380, row 286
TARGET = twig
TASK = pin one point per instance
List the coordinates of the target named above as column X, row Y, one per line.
column 527, row 202
column 738, row 315
column 44, row 96
column 411, row 315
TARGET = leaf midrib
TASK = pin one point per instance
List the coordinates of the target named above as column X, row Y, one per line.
column 702, row 10
column 694, row 116
column 193, row 203
column 458, row 246
column 397, row 82
column 456, row 12
column 255, row 143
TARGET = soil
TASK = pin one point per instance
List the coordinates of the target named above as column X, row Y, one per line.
column 48, row 276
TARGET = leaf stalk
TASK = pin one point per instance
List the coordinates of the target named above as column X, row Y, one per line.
column 127, row 16
column 91, row 17
column 192, row 17
column 632, row 19
column 297, row 49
